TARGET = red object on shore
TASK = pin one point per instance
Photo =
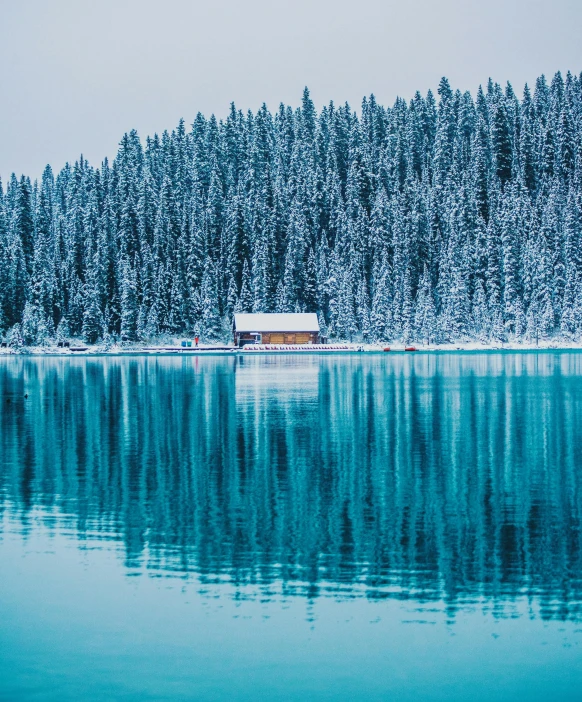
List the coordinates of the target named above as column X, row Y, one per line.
column 387, row 348
column 196, row 340
column 410, row 348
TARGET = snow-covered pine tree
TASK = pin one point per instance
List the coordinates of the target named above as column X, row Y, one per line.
column 425, row 322
column 210, row 327
column 245, row 300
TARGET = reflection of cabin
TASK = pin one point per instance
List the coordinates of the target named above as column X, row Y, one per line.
column 276, row 328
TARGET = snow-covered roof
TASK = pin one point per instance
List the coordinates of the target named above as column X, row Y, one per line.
column 276, row 322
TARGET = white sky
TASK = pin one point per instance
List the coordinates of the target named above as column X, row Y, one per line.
column 76, row 74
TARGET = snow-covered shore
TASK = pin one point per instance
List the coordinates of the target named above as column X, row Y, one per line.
column 81, row 349
column 546, row 345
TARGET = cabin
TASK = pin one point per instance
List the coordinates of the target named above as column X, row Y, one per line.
column 276, row 328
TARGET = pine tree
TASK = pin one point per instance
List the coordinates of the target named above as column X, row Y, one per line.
column 129, row 303
column 571, row 322
column 480, row 318
column 502, row 146
column 310, row 293
column 23, row 220
column 381, row 320
column 92, row 316
column 245, row 300
column 29, row 324
column 346, row 326
column 363, row 309
column 425, row 323
column 14, row 337
column 210, row 328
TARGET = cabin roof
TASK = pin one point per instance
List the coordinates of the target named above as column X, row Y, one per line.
column 276, row 322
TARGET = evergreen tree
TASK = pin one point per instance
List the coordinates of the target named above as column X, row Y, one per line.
column 129, row 303
column 245, row 300
column 210, row 317
column 502, row 146
column 92, row 316
column 426, row 317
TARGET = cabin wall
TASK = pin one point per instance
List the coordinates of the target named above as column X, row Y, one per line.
column 294, row 338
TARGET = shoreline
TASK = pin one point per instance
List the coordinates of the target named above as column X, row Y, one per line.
column 328, row 349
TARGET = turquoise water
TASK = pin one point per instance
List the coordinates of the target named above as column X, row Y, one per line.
column 359, row 527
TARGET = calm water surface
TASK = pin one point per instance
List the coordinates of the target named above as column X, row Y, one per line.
column 365, row 527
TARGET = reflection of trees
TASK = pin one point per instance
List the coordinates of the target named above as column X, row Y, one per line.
column 403, row 475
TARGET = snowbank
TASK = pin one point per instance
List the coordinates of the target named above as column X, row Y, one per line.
column 81, row 349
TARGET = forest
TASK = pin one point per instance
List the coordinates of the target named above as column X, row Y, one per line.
column 449, row 217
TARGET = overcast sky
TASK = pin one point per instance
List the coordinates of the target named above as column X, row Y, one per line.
column 76, row 74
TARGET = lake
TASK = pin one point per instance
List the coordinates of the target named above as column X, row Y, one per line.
column 291, row 527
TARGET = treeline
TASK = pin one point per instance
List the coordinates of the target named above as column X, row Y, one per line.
column 385, row 480
column 432, row 220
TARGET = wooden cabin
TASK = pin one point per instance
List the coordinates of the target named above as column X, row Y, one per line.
column 276, row 328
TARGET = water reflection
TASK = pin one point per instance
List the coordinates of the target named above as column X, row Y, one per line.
column 455, row 478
